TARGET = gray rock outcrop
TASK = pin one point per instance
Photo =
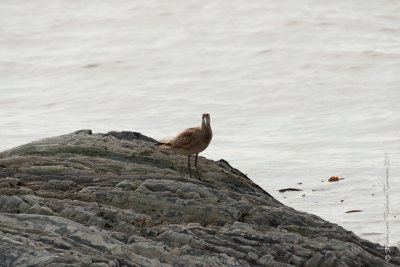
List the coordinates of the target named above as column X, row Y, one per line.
column 114, row 199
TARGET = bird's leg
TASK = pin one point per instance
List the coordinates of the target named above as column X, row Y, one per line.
column 195, row 163
column 190, row 172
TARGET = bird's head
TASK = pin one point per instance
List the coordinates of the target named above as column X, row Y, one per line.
column 206, row 116
column 206, row 119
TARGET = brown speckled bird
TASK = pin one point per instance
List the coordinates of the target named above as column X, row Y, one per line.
column 191, row 141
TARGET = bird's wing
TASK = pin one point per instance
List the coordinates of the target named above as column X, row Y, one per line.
column 186, row 138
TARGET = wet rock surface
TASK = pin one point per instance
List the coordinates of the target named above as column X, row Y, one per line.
column 115, row 199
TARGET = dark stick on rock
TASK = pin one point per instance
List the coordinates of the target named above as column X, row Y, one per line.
column 114, row 199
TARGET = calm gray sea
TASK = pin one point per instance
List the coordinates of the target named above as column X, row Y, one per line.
column 298, row 91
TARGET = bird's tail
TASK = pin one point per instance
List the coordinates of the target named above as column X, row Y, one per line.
column 163, row 145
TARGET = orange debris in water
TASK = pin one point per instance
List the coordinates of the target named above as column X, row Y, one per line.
column 334, row 179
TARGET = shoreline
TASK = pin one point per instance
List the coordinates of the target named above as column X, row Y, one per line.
column 105, row 188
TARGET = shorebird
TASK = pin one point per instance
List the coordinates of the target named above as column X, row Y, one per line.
column 191, row 141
